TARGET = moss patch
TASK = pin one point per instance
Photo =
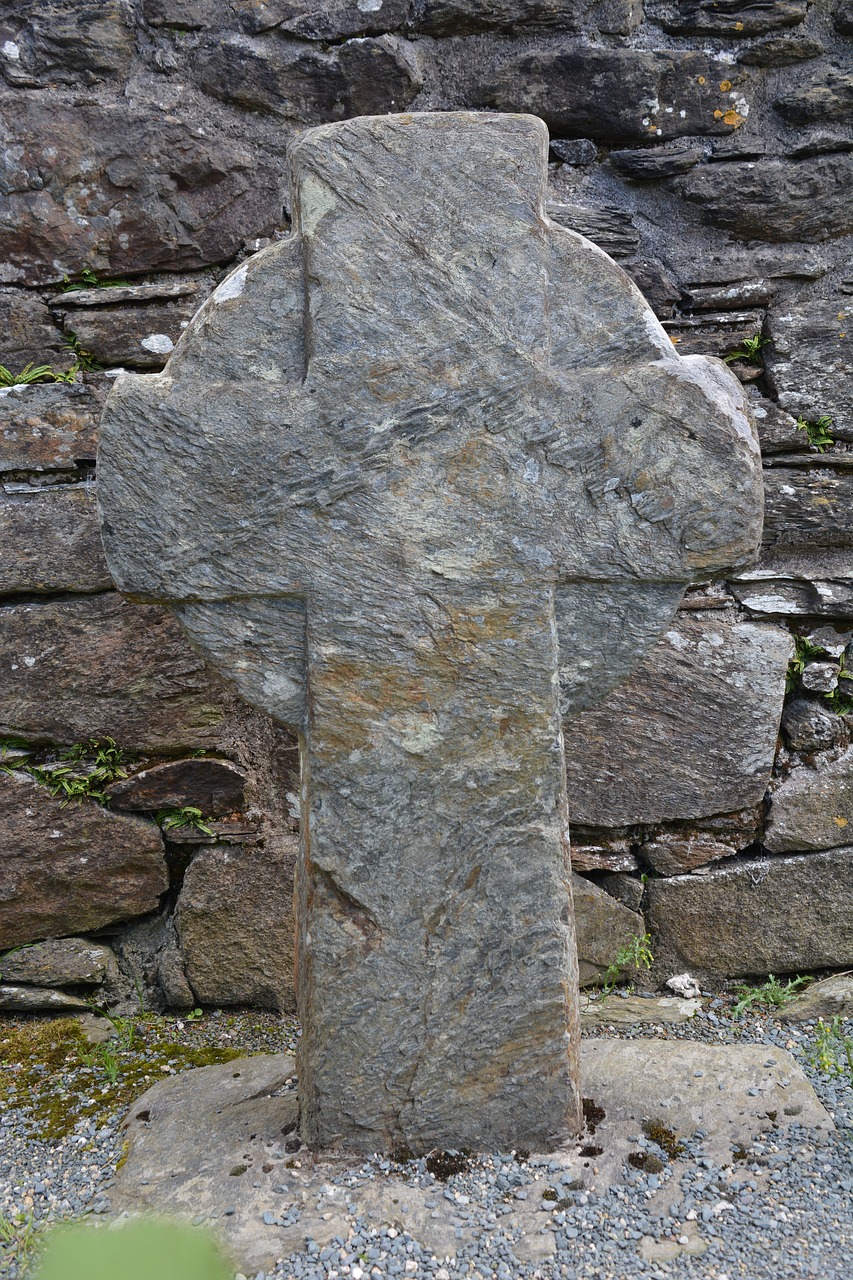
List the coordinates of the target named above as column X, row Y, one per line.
column 49, row 1071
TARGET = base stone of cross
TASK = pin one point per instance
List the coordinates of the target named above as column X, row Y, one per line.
column 422, row 480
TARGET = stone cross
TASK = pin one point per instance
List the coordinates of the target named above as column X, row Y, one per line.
column 422, row 479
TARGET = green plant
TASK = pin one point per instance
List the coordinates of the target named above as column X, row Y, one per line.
column 189, row 816
column 772, row 994
column 17, row 1236
column 83, row 359
column 749, row 349
column 818, row 432
column 141, row 1249
column 88, row 279
column 82, row 771
column 30, row 374
column 635, row 955
column 832, row 1054
column 102, row 1058
column 194, row 1015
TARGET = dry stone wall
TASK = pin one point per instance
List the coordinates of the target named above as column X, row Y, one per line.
column 707, row 145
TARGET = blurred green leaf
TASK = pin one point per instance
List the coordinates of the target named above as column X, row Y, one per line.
column 144, row 1250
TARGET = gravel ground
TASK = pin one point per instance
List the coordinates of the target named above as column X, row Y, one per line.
column 784, row 1210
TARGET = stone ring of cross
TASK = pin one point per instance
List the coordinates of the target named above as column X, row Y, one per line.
column 422, row 480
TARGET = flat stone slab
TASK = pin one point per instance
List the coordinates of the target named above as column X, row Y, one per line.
column 623, row 1011
column 833, row 997
column 211, row 1144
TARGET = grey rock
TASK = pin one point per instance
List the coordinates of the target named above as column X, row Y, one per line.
column 830, row 998
column 810, row 726
column 655, row 283
column 38, row 1000
column 371, row 518
column 611, row 229
column 604, row 926
column 831, row 640
column 50, row 541
column 781, row 51
column 29, row 334
column 71, row 41
column 602, row 853
column 461, row 17
column 137, row 158
column 187, row 14
column 306, row 84
column 777, row 200
column 777, row 430
column 653, row 163
column 68, row 868
column 188, row 1132
column 616, row 94
column 820, row 677
column 59, row 962
column 728, row 297
column 756, row 916
column 741, row 263
column 825, row 98
column 637, row 1010
column 626, row 888
column 233, row 925
column 319, row 19
column 101, row 667
column 715, row 333
column 213, row 786
column 803, row 592
column 691, row 732
column 728, row 18
column 131, row 335
column 813, row 807
column 809, row 361
column 112, row 295
column 843, row 17
column 673, row 852
column 48, row 427
column 574, row 151
column 808, row 511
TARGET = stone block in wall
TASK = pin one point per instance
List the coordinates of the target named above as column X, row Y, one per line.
column 141, row 337
column 50, row 541
column 28, row 334
column 73, row 41
column 691, row 733
column 781, row 51
column 306, row 84
column 715, row 333
column 618, row 94
column 59, row 962
column 159, row 192
column 652, row 164
column 809, row 360
column 70, row 868
column 826, row 97
column 234, row 924
column 611, row 229
column 727, row 19
column 775, row 199
column 796, row 590
column 48, row 427
column 777, row 430
column 813, row 807
column 102, row 667
column 842, row 14
column 311, row 19
column 213, row 786
column 809, row 725
column 460, row 17
column 808, row 520
column 603, row 926
column 756, row 916
column 191, row 15
column 655, row 283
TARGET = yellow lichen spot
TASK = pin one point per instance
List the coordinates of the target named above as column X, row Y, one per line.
column 718, row 115
column 734, row 118
column 674, row 341
column 725, row 85
column 840, row 822
column 738, row 26
column 701, row 80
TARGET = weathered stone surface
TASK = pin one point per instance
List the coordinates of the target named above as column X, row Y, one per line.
column 672, row 853
column 611, row 229
column 655, row 283
column 811, row 726
column 691, row 732
column 214, row 786
column 804, row 592
column 191, row 15
column 756, row 916
column 627, row 1011
column 307, row 84
column 813, row 807
column 38, row 1000
column 651, row 163
column 73, row 40
column 777, row 430
column 820, row 677
column 459, row 17
column 105, row 668
column 233, row 924
column 777, row 200
column 732, row 18
column 158, row 193
column 604, row 926
column 29, row 335
column 141, row 337
column 48, row 427
column 429, row 530
column 112, row 295
column 59, row 962
column 620, row 93
column 316, row 19
column 810, row 361
column 781, row 51
column 574, row 151
column 833, row 997
column 808, row 511
column 50, row 541
column 69, row 868
column 843, row 17
column 602, row 854
column 713, row 333
column 728, row 297
column 188, row 1132
column 827, row 98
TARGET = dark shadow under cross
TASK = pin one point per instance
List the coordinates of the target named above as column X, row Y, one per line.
column 423, row 479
